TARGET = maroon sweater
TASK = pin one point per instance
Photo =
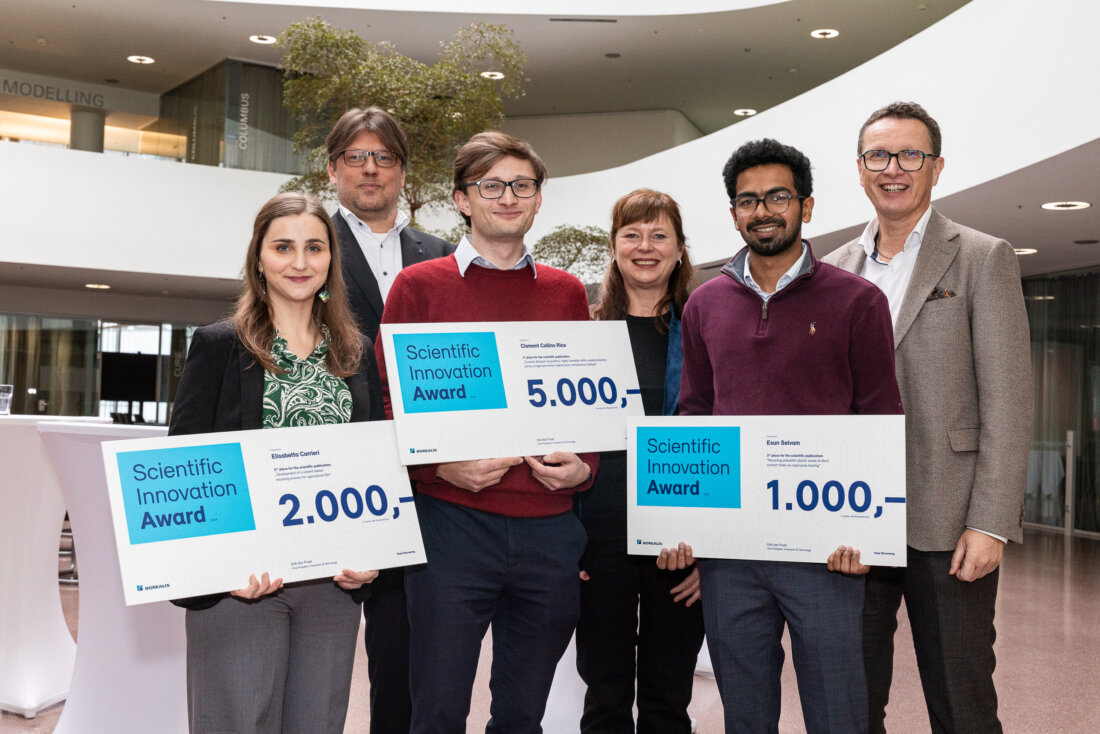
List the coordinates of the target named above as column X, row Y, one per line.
column 434, row 292
column 824, row 345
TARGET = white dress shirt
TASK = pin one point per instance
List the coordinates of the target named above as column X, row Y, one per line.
column 466, row 255
column 383, row 251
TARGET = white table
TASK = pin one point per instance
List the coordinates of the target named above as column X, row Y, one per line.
column 129, row 674
column 36, row 649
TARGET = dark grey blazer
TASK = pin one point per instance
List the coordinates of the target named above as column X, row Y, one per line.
column 963, row 360
column 363, row 293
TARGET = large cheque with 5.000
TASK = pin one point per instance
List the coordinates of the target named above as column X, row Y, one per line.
column 517, row 388
column 778, row 488
column 198, row 514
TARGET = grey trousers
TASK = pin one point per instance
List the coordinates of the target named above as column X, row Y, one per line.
column 278, row 665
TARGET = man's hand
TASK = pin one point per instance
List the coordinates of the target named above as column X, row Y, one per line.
column 976, row 555
column 675, row 559
column 351, row 580
column 257, row 588
column 845, row 559
column 478, row 474
column 558, row 470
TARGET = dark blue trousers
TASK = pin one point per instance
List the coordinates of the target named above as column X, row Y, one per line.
column 386, row 638
column 746, row 604
column 519, row 575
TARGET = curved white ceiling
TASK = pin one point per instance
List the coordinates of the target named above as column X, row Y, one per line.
column 1010, row 83
column 577, row 8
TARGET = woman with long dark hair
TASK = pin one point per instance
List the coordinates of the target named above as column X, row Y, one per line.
column 640, row 627
column 272, row 658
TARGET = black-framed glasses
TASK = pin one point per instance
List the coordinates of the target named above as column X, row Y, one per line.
column 493, row 188
column 358, row 158
column 776, row 202
column 908, row 160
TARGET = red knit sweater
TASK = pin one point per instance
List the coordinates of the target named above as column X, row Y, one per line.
column 434, row 292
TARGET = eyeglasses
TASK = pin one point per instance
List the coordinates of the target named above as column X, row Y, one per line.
column 776, row 202
column 358, row 158
column 908, row 160
column 493, row 188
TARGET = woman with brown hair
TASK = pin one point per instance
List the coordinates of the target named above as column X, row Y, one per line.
column 271, row 657
column 633, row 633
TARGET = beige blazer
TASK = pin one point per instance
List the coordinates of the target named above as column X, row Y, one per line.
column 963, row 361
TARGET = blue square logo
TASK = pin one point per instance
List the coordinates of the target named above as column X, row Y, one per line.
column 689, row 466
column 449, row 371
column 184, row 492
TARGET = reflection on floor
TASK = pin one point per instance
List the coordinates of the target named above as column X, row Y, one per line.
column 1047, row 649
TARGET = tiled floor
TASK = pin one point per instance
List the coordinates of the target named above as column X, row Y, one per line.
column 1048, row 655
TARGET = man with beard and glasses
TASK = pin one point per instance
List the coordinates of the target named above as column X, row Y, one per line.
column 780, row 333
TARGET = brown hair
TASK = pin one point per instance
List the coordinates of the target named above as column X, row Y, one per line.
column 903, row 111
column 482, row 151
column 253, row 320
column 645, row 205
column 373, row 120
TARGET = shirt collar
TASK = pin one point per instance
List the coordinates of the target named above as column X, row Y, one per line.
column 358, row 225
column 912, row 242
column 466, row 255
column 784, row 280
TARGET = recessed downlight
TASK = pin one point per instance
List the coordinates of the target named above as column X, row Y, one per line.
column 493, row 74
column 824, row 33
column 136, row 59
column 745, row 112
column 262, row 39
column 1066, row 206
column 97, row 286
column 1025, row 250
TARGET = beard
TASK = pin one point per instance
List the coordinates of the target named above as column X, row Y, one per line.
column 776, row 245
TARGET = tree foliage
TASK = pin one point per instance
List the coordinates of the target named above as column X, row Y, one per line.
column 440, row 105
column 582, row 251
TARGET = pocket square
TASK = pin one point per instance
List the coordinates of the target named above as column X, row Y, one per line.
column 938, row 293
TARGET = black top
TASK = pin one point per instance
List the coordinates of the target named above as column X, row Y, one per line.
column 602, row 508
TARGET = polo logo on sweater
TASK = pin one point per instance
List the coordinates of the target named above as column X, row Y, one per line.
column 448, row 371
column 813, row 330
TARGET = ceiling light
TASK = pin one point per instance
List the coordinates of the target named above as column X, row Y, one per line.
column 745, row 112
column 493, row 74
column 613, row 55
column 140, row 59
column 1066, row 206
column 1086, row 242
column 97, row 286
column 263, row 40
column 825, row 33
column 1025, row 250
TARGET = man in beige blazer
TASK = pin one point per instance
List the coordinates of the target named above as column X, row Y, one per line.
column 964, row 368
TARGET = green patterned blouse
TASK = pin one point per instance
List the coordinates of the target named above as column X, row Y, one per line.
column 307, row 394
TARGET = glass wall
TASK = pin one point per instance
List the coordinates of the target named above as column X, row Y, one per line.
column 1064, row 313
column 81, row 367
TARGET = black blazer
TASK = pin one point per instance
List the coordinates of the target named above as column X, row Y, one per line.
column 363, row 293
column 222, row 387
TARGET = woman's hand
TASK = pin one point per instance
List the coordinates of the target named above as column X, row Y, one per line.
column 256, row 589
column 689, row 590
column 352, row 580
column 675, row 559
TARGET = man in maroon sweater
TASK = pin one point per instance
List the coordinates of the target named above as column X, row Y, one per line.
column 502, row 543
column 780, row 333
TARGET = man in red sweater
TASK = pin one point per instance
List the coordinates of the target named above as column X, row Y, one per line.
column 780, row 333
column 502, row 543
